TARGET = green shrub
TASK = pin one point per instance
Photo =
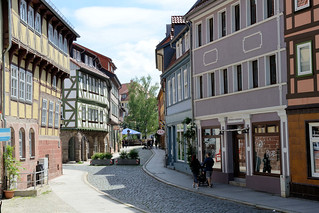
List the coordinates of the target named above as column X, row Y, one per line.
column 133, row 154
column 123, row 155
column 107, row 155
column 101, row 156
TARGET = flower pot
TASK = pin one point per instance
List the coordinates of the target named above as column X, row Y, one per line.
column 104, row 162
column 8, row 194
column 120, row 161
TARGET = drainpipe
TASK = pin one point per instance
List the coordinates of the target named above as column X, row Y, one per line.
column 4, row 67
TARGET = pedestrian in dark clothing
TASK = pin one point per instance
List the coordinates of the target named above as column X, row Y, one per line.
column 156, row 144
column 195, row 166
column 208, row 167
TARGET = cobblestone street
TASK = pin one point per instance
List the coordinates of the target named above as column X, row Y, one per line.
column 132, row 185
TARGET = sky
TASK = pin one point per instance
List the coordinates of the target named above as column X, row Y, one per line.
column 125, row 30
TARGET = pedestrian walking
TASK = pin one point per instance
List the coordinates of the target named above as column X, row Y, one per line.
column 156, row 143
column 195, row 166
column 208, row 168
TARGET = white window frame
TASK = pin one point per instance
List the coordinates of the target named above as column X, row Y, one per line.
column 298, row 48
column 301, row 7
column 44, row 112
column 266, row 9
column 220, row 28
column 21, row 143
column 31, row 143
column 50, row 33
column 84, row 112
column 31, row 17
column 198, row 36
column 313, row 140
column 22, row 84
column 55, row 38
column 38, row 25
column 14, row 82
column 23, row 11
column 50, row 116
column 208, row 28
column 233, row 17
column 173, row 90
column 56, row 115
column 169, row 92
column 248, row 20
column 29, row 87
column 60, row 42
column 65, row 46
column 179, row 87
column 185, row 77
column 54, row 82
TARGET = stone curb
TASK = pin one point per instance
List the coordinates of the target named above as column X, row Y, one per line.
column 210, row 195
column 84, row 178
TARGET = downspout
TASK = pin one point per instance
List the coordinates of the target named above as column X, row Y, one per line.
column 4, row 67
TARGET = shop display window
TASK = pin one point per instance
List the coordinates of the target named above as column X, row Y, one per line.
column 212, row 144
column 314, row 148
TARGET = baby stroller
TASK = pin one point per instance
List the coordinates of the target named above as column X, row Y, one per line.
column 202, row 177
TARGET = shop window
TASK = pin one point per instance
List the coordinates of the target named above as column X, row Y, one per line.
column 314, row 148
column 180, row 142
column 304, row 58
column 267, row 150
column 212, row 144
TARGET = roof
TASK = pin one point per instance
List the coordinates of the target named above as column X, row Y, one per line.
column 91, row 69
column 104, row 60
column 198, row 4
column 124, row 90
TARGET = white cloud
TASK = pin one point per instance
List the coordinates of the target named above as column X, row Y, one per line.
column 176, row 5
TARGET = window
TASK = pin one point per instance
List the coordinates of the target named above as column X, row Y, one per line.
column 86, row 61
column 236, row 18
column 225, row 81
column 85, row 82
column 185, row 84
column 56, row 115
column 200, row 87
column 31, row 17
column 179, row 88
column 211, row 29
column 314, row 148
column 212, row 84
column 84, row 113
column 169, row 87
column 173, row 90
column 54, row 82
column 38, row 23
column 255, row 73
column 55, row 38
column 222, row 32
column 272, row 69
column 50, row 114
column 22, row 143
column 21, row 84
column 50, row 32
column 93, row 85
column 96, row 86
column 239, row 78
column 199, row 35
column 270, row 8
column 14, row 81
column 65, row 46
column 180, row 142
column 304, row 58
column 301, row 4
column 44, row 112
column 31, row 143
column 90, row 62
column 60, row 41
column 267, row 150
column 252, row 10
column 23, row 11
column 212, row 144
column 28, row 97
column 101, row 116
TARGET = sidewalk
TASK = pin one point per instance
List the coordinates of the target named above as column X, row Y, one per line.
column 155, row 168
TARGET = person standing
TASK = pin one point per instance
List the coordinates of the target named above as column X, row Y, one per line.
column 208, row 167
column 195, row 166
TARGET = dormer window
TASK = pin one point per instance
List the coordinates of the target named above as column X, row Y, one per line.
column 90, row 61
column 86, row 60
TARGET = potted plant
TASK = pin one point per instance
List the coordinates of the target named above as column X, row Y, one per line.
column 12, row 167
column 131, row 158
column 102, row 159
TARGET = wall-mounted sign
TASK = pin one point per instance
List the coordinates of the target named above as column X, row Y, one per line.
column 301, row 4
column 5, row 134
column 161, row 132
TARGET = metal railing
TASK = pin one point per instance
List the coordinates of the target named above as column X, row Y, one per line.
column 58, row 12
column 36, row 178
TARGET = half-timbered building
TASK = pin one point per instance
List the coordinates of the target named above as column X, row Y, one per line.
column 302, row 38
column 38, row 40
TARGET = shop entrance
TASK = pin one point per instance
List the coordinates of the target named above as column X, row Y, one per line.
column 239, row 155
column 72, row 149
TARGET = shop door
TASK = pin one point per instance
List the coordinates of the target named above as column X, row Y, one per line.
column 240, row 156
column 71, row 149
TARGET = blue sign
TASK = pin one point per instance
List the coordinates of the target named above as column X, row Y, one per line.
column 5, row 134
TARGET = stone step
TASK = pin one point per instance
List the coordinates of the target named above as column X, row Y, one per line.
column 238, row 182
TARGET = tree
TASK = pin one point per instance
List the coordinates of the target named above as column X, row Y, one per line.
column 142, row 105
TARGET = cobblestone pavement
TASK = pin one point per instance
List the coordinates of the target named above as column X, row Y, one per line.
column 132, row 185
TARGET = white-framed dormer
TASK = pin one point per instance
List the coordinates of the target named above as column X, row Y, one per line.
column 235, row 17
column 210, row 28
column 198, row 34
column 222, row 23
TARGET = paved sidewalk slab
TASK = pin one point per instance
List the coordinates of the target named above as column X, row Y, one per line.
column 155, row 167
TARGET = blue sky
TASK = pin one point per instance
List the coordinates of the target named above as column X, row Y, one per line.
column 125, row 30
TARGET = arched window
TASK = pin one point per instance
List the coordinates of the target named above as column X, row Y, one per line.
column 22, row 143
column 11, row 141
column 31, row 143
